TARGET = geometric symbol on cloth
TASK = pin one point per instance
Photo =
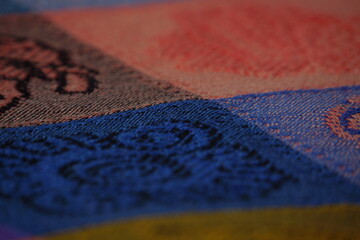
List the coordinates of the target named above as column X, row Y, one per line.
column 22, row 60
column 52, row 77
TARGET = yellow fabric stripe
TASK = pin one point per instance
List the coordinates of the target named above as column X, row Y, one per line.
column 300, row 223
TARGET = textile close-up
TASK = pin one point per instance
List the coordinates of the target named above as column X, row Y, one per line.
column 179, row 119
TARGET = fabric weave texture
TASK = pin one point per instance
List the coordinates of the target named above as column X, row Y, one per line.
column 196, row 119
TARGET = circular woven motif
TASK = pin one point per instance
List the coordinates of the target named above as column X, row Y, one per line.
column 344, row 120
column 163, row 163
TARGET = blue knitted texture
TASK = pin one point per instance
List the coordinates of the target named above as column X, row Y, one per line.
column 188, row 155
column 303, row 120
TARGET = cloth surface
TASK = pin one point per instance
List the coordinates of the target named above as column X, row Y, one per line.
column 202, row 119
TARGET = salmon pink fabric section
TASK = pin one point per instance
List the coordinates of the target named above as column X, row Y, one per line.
column 230, row 48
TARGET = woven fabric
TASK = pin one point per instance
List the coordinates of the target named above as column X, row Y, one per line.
column 196, row 119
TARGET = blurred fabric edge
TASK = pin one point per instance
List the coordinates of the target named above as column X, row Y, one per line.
column 25, row 6
column 336, row 222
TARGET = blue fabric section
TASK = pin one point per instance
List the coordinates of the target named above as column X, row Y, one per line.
column 188, row 155
column 10, row 6
column 301, row 120
column 21, row 6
